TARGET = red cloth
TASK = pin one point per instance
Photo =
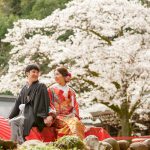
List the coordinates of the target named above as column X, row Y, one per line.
column 48, row 134
column 97, row 131
column 5, row 130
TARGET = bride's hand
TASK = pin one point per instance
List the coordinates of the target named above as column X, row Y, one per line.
column 48, row 121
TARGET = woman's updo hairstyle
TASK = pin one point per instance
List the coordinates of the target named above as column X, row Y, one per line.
column 64, row 72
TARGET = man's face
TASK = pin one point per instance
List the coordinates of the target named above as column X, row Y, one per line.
column 33, row 75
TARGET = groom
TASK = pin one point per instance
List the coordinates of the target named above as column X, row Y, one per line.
column 35, row 98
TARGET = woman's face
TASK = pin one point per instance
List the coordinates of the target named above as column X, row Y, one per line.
column 59, row 77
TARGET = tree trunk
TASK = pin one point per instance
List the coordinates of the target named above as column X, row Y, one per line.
column 124, row 120
column 125, row 125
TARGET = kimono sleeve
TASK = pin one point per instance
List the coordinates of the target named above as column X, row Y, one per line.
column 52, row 110
column 75, row 104
column 42, row 102
column 15, row 110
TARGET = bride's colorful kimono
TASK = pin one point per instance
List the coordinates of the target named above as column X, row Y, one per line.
column 63, row 102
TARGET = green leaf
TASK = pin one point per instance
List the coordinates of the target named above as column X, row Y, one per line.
column 66, row 35
column 117, row 85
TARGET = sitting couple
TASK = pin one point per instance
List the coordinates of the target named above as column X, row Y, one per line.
column 55, row 107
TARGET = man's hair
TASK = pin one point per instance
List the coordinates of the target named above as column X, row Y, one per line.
column 32, row 67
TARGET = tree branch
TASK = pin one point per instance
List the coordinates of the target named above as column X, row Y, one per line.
column 113, row 107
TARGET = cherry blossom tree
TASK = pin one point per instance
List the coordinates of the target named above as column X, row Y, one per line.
column 105, row 44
